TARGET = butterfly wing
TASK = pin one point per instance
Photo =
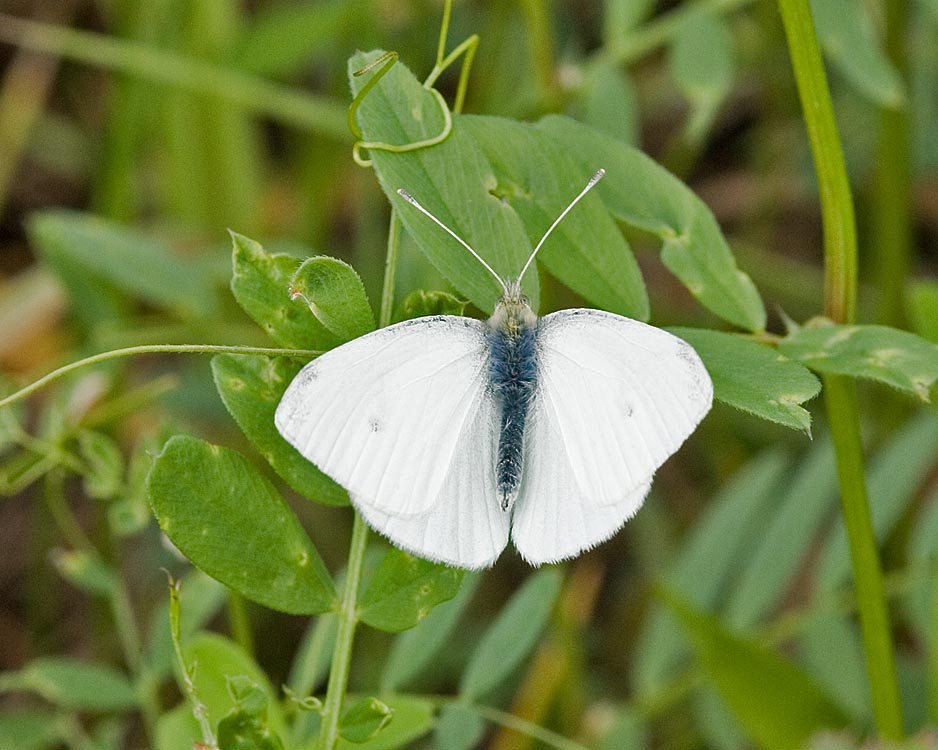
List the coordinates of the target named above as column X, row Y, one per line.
column 383, row 415
column 465, row 527
column 614, row 399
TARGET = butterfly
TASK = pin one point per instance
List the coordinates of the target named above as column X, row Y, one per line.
column 453, row 435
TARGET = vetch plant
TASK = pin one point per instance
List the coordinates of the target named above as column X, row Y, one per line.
column 497, row 183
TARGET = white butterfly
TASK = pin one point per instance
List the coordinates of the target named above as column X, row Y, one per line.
column 453, row 434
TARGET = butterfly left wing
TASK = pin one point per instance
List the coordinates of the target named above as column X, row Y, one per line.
column 614, row 399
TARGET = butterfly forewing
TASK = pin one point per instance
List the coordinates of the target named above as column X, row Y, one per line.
column 383, row 414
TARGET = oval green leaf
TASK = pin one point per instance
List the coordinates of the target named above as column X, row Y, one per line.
column 365, row 719
column 512, row 636
column 260, row 282
column 754, row 378
column 645, row 195
column 405, row 589
column 777, row 704
column 231, row 522
column 334, row 293
column 78, row 685
column 888, row 355
column 453, row 180
column 251, row 388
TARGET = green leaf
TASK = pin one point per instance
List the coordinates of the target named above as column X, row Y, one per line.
column 364, row 720
column 702, row 62
column 32, row 729
column 104, row 462
column 231, row 522
column 805, row 503
column 132, row 262
column 849, row 41
column 251, row 388
column 453, row 180
column 458, row 728
column 513, row 634
column 217, row 661
column 709, row 559
column 413, row 718
column 922, row 302
column 283, row 38
column 831, row 650
column 586, row 251
column 754, row 378
column 693, row 247
column 200, row 598
column 86, row 570
column 76, row 685
column 334, row 294
column 246, row 726
column 405, row 589
column 420, row 303
column 260, row 282
column 896, row 473
column 609, row 103
column 778, row 705
column 888, row 355
column 415, row 649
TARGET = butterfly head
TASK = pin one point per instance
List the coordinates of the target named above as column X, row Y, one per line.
column 513, row 312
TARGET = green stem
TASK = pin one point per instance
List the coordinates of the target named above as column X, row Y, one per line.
column 892, row 206
column 342, row 654
column 839, row 225
column 390, row 270
column 841, row 399
column 240, row 622
column 131, row 351
column 53, row 493
column 840, row 262
column 288, row 105
column 933, row 646
column 528, row 728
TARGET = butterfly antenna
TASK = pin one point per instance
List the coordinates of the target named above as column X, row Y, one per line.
column 413, row 201
column 589, row 186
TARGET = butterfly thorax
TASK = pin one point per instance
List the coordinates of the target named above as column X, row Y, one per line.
column 513, row 375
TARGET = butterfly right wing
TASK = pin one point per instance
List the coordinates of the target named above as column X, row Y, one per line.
column 383, row 414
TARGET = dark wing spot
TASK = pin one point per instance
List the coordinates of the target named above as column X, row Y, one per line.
column 374, row 423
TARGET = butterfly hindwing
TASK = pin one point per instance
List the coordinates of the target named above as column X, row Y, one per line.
column 465, row 527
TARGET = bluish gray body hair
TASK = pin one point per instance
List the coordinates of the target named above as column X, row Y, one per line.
column 513, row 376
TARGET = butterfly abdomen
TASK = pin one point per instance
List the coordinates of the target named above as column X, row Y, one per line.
column 513, row 374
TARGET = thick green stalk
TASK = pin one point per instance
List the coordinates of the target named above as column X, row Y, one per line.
column 840, row 263
column 342, row 654
column 892, row 200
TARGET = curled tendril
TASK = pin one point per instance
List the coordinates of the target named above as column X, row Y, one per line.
column 386, row 61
